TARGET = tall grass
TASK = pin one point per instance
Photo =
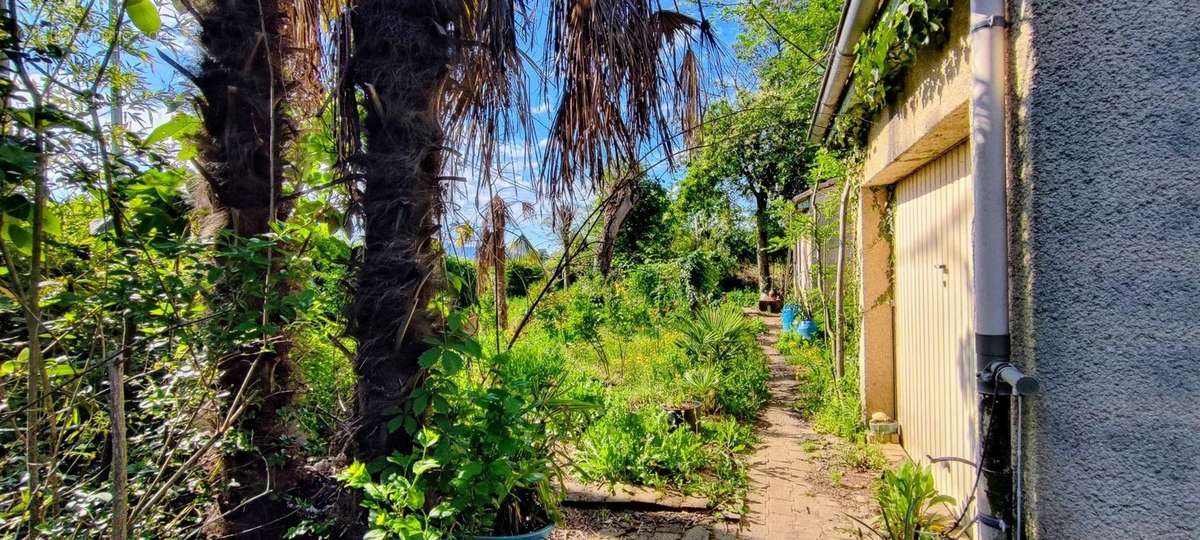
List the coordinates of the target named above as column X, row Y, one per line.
column 832, row 404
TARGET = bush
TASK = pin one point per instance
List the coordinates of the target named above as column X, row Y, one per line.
column 328, row 379
column 521, row 275
column 743, row 388
column 641, row 447
column 464, row 269
column 907, row 499
column 833, row 404
column 657, row 284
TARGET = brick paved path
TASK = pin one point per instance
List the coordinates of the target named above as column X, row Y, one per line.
column 784, row 501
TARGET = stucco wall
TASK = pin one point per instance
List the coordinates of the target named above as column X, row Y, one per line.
column 929, row 113
column 1106, row 275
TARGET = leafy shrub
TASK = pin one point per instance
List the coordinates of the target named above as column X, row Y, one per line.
column 481, row 464
column 657, row 284
column 833, row 404
column 716, row 334
column 328, row 377
column 742, row 298
column 464, row 269
column 730, row 435
column 522, row 274
column 906, row 497
column 702, row 273
column 743, row 388
column 640, row 446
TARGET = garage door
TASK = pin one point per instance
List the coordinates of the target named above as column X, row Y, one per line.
column 935, row 354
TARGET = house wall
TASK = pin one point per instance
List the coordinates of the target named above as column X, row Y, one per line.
column 928, row 118
column 806, row 253
column 929, row 114
column 1105, row 206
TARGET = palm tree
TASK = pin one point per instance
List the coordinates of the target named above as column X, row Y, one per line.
column 258, row 64
column 431, row 72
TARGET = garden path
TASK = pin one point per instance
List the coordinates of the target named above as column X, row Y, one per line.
column 790, row 491
column 793, row 495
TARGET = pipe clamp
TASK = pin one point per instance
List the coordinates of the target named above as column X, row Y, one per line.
column 994, row 20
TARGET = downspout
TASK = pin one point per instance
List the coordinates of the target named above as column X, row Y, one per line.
column 856, row 17
column 998, row 379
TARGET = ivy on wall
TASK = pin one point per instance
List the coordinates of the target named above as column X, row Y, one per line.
column 884, row 54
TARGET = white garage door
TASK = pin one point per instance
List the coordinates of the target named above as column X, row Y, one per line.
column 935, row 348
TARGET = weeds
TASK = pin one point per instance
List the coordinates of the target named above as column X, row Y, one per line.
column 907, row 502
column 833, row 404
column 634, row 351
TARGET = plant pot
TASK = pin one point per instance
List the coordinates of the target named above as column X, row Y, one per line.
column 807, row 329
column 787, row 317
column 540, row 534
column 687, row 413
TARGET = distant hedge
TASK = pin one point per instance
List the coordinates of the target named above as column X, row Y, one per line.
column 522, row 274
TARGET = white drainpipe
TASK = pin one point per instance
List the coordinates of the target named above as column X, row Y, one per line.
column 998, row 379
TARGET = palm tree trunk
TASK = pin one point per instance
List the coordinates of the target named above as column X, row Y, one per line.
column 243, row 87
column 400, row 63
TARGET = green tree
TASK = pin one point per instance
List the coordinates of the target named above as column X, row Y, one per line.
column 785, row 41
column 646, row 232
column 756, row 153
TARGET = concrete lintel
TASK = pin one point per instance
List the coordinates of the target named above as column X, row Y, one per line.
column 948, row 132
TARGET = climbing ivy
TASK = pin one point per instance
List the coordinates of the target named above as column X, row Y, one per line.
column 883, row 55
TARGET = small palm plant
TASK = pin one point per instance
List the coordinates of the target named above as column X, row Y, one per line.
column 907, row 499
column 702, row 383
column 715, row 334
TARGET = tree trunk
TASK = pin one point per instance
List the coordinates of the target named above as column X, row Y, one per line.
column 819, row 262
column 615, row 211
column 243, row 87
column 839, row 343
column 400, row 63
column 761, row 219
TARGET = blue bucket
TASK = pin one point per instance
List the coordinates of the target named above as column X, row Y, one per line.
column 807, row 329
column 787, row 317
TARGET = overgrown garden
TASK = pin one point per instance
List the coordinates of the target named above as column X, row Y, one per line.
column 230, row 300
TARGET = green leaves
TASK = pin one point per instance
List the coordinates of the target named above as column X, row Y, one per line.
column 56, row 368
column 427, row 464
column 144, row 15
column 884, row 54
column 178, row 127
column 16, row 162
column 17, row 364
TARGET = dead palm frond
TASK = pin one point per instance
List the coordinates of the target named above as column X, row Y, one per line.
column 491, row 258
column 618, row 201
column 622, row 78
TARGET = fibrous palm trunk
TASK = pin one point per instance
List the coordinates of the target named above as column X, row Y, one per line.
column 400, row 64
column 243, row 88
